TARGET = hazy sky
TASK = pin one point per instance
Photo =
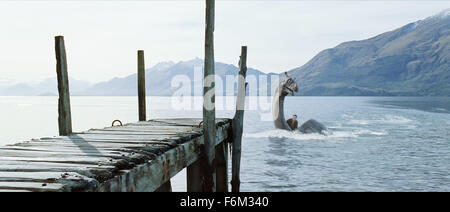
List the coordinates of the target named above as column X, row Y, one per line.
column 102, row 37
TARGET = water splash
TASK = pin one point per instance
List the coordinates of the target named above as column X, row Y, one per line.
column 329, row 135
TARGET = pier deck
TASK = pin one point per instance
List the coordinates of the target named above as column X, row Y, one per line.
column 138, row 156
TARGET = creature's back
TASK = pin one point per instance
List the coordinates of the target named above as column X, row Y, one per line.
column 312, row 126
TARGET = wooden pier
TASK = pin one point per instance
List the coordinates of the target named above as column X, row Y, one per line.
column 140, row 156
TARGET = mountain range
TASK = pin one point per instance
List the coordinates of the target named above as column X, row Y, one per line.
column 158, row 82
column 413, row 60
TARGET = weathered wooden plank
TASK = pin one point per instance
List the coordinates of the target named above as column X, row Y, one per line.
column 13, row 190
column 64, row 118
column 149, row 128
column 106, row 144
column 238, row 122
column 143, row 132
column 32, row 186
column 46, row 182
column 59, row 154
column 68, row 151
column 24, row 162
column 132, row 134
column 71, row 158
column 110, row 138
column 174, row 122
column 71, row 146
column 122, row 137
column 141, row 87
column 56, row 151
column 119, row 132
column 84, row 169
column 154, row 125
column 47, row 177
column 83, row 155
column 209, row 110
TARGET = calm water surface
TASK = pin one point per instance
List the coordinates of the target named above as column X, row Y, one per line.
column 375, row 143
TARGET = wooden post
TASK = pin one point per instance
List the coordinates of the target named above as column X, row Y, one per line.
column 222, row 169
column 166, row 187
column 141, row 86
column 194, row 177
column 64, row 114
column 209, row 111
column 238, row 122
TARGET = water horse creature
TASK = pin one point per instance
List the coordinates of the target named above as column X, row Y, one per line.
column 288, row 86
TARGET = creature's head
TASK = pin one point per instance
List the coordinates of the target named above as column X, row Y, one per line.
column 288, row 85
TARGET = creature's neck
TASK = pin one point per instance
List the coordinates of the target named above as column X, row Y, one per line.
column 278, row 110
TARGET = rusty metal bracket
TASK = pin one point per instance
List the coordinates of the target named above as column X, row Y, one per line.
column 120, row 122
column 200, row 125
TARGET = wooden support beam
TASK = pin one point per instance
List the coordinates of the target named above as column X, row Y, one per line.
column 194, row 171
column 222, row 169
column 64, row 114
column 141, row 86
column 194, row 177
column 238, row 122
column 166, row 187
column 209, row 111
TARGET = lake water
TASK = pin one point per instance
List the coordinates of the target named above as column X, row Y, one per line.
column 376, row 143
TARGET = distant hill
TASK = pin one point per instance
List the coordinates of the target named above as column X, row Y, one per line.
column 159, row 79
column 158, row 82
column 413, row 60
column 46, row 87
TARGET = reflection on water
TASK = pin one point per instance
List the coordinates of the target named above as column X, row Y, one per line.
column 376, row 143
